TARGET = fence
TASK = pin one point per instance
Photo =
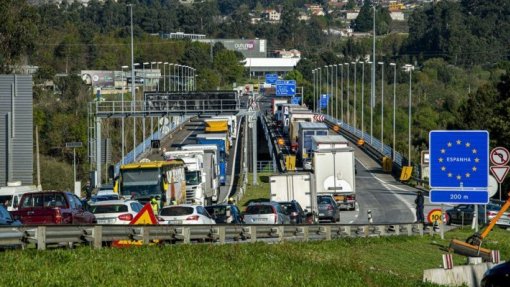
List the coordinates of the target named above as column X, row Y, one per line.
column 98, row 235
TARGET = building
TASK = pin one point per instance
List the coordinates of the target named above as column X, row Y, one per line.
column 16, row 129
column 258, row 67
column 271, row 15
column 181, row 35
column 293, row 53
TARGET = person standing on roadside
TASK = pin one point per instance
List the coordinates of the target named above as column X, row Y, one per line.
column 420, row 201
column 154, row 205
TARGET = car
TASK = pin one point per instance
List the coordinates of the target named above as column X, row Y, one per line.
column 328, row 208
column 463, row 213
column 104, row 197
column 6, row 218
column 52, row 207
column 115, row 211
column 497, row 276
column 185, row 214
column 294, row 210
column 225, row 213
column 265, row 213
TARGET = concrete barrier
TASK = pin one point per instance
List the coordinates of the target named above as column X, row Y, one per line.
column 469, row 275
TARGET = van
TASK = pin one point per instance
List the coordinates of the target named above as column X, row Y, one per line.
column 11, row 194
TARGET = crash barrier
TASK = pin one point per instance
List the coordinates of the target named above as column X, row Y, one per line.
column 100, row 235
column 465, row 275
column 271, row 137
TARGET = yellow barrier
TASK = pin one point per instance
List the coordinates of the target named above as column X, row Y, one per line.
column 290, row 162
column 407, row 172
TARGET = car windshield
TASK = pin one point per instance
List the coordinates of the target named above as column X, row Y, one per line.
column 324, row 200
column 288, row 207
column 105, row 197
column 176, row 211
column 113, row 208
column 259, row 209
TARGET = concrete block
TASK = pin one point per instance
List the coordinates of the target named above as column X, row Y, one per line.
column 470, row 275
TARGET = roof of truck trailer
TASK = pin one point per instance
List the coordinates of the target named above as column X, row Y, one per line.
column 152, row 164
column 330, row 139
column 311, row 125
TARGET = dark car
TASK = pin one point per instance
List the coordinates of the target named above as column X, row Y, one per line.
column 463, row 213
column 52, row 207
column 225, row 213
column 328, row 209
column 294, row 211
column 497, row 276
column 6, row 218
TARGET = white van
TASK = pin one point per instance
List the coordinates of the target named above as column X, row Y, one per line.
column 10, row 195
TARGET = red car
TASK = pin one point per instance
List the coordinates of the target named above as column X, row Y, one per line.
column 52, row 207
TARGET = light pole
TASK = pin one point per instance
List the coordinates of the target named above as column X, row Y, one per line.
column 371, row 109
column 355, row 97
column 382, row 106
column 314, row 90
column 348, row 95
column 362, row 99
column 143, row 119
column 157, row 68
column 342, row 92
column 409, row 68
column 133, row 80
column 122, row 119
column 320, row 90
column 327, row 88
column 394, row 103
column 336, row 91
column 164, row 75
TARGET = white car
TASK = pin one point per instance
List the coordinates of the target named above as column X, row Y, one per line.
column 185, row 214
column 115, row 211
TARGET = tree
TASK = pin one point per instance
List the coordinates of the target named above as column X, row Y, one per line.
column 18, row 32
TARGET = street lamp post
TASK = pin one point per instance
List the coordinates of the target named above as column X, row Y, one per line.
column 122, row 119
column 382, row 106
column 362, row 99
column 355, row 97
column 336, row 91
column 157, row 68
column 348, row 94
column 371, row 109
column 394, row 104
column 164, row 75
column 320, row 90
column 314, row 90
column 409, row 68
column 342, row 93
column 327, row 88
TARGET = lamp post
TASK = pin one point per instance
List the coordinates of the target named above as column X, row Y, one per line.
column 355, row 97
column 314, row 90
column 394, row 104
column 336, row 91
column 342, row 93
column 382, row 106
column 362, row 99
column 122, row 119
column 320, row 89
column 371, row 109
column 164, row 75
column 327, row 88
column 157, row 68
column 409, row 68
column 348, row 95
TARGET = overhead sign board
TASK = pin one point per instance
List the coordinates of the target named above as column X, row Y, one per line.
column 271, row 78
column 459, row 159
column 285, row 88
column 448, row 196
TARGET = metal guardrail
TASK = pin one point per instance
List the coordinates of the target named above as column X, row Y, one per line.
column 100, row 235
column 270, row 137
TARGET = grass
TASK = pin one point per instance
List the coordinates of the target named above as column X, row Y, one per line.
column 254, row 193
column 389, row 261
column 392, row 261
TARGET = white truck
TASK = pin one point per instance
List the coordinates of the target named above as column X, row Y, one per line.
column 195, row 178
column 295, row 186
column 10, row 195
column 334, row 169
column 211, row 168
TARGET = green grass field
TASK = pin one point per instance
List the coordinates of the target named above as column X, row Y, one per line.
column 393, row 261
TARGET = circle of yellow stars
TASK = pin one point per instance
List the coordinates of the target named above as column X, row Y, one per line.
column 459, row 176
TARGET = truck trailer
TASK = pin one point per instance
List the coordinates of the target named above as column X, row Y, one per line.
column 211, row 168
column 334, row 170
column 295, row 186
column 221, row 141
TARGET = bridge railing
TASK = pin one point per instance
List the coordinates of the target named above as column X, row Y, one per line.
column 97, row 235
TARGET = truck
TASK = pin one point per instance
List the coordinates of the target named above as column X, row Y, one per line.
column 275, row 102
column 195, row 176
column 232, row 124
column 211, row 168
column 295, row 117
column 221, row 141
column 334, row 169
column 305, row 132
column 295, row 186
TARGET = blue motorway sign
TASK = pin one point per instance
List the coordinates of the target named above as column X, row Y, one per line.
column 459, row 196
column 285, row 88
column 324, row 100
column 459, row 159
column 295, row 100
column 271, row 78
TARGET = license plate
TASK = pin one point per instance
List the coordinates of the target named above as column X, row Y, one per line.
column 321, row 214
column 339, row 197
column 105, row 221
column 260, row 219
column 175, row 222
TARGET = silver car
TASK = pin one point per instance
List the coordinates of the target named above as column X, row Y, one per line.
column 265, row 213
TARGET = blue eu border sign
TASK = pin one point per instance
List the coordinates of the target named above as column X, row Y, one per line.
column 459, row 164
